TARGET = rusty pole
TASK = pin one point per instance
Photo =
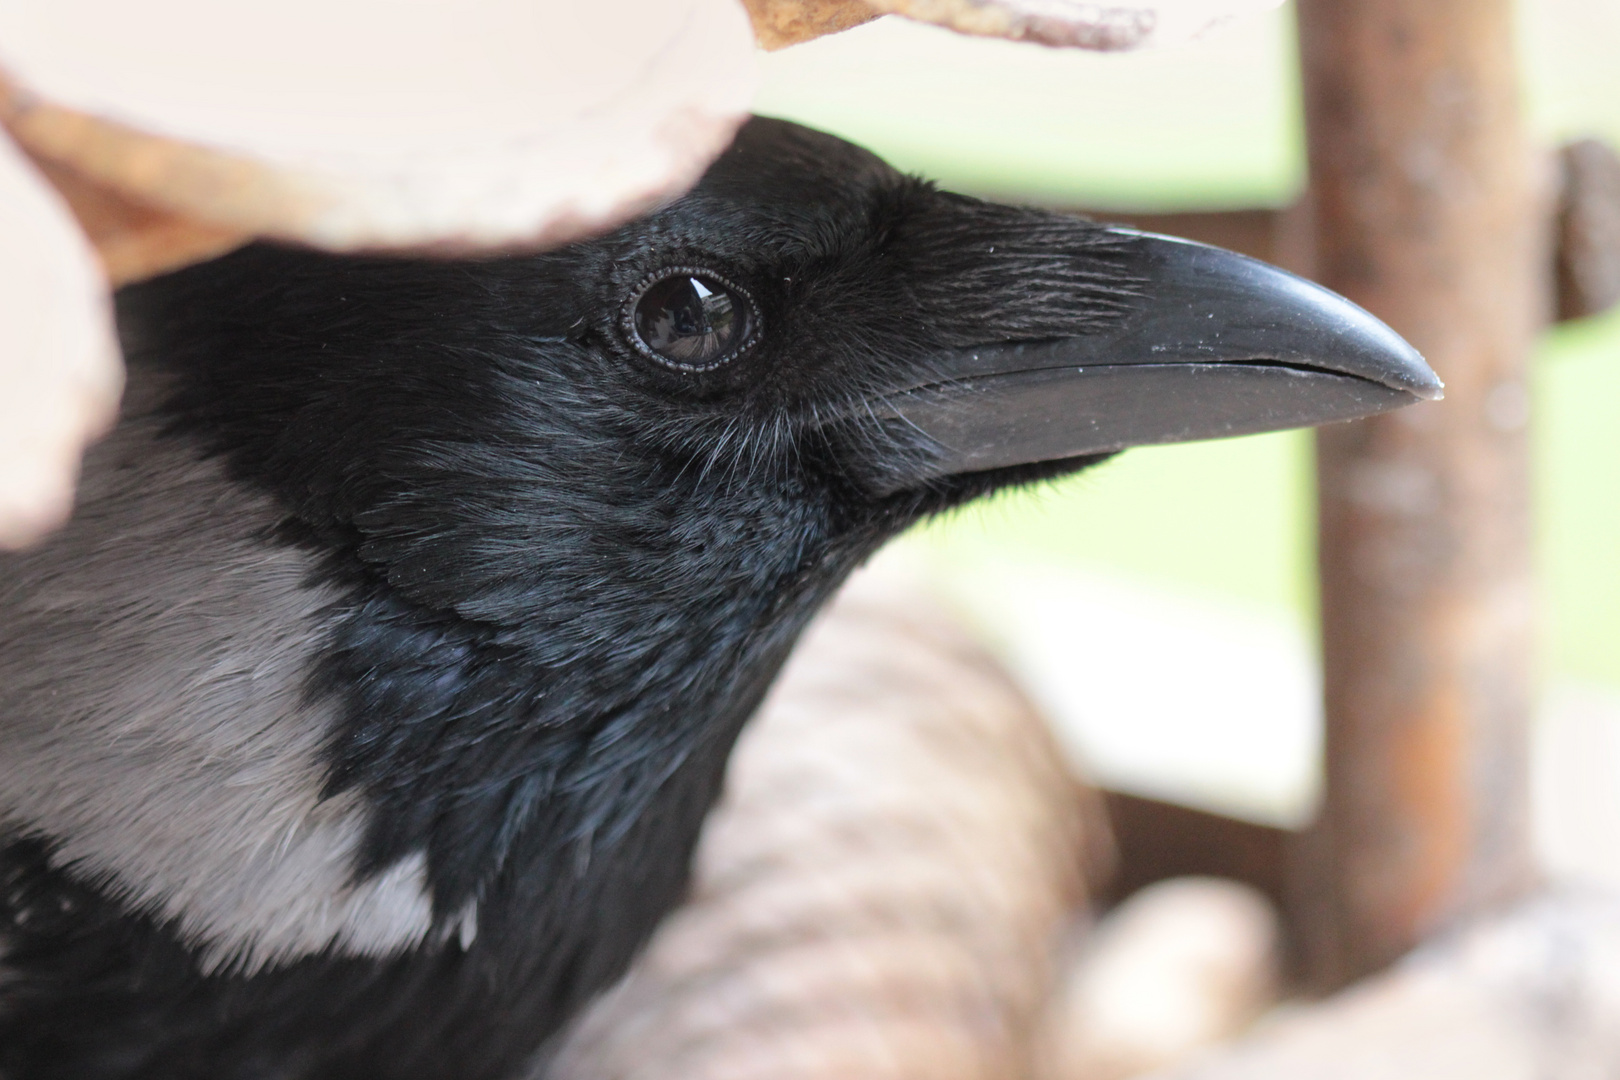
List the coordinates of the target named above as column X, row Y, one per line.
column 1428, row 211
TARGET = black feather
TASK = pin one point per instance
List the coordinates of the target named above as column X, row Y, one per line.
column 569, row 576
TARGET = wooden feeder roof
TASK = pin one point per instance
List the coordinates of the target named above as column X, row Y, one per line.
column 444, row 126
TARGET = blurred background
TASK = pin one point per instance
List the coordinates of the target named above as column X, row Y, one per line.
column 1162, row 606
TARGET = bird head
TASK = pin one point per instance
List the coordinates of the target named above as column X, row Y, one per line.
column 582, row 501
column 807, row 326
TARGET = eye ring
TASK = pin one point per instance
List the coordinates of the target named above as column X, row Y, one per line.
column 690, row 319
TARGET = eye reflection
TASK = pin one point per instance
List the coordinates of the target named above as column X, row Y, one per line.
column 692, row 321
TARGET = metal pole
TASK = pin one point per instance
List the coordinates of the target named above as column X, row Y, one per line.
column 1428, row 211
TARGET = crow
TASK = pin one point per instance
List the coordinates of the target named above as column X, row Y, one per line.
column 363, row 720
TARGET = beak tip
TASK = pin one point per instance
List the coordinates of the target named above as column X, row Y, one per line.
column 1404, row 368
column 1426, row 384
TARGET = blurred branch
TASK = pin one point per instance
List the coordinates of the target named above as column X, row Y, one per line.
column 1586, row 230
column 1428, row 211
column 1157, row 841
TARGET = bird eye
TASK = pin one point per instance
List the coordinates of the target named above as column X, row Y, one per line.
column 690, row 319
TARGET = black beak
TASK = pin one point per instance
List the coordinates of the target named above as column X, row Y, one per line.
column 1219, row 344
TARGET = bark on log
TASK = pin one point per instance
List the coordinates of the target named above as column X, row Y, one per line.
column 1429, row 213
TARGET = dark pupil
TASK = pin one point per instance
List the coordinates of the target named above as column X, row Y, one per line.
column 690, row 321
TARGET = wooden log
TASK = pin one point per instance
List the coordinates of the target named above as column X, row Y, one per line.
column 1177, row 968
column 1530, row 995
column 1429, row 212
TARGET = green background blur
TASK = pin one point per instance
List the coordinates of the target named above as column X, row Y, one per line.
column 1214, row 124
